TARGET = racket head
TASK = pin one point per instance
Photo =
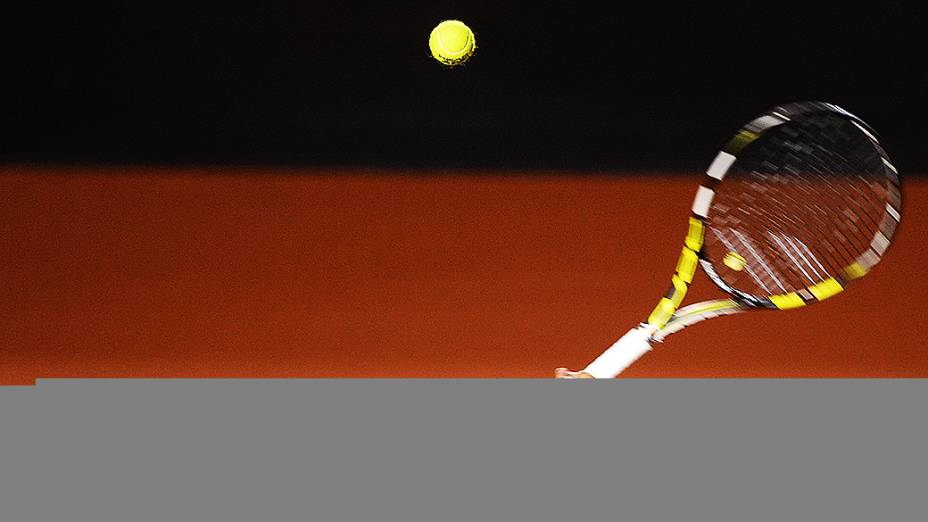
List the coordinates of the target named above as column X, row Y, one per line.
column 802, row 201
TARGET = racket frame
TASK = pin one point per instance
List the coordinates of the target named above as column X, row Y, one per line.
column 668, row 318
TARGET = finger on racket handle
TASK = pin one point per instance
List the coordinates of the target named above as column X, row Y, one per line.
column 622, row 353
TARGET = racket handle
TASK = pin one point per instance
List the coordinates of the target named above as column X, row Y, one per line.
column 622, row 354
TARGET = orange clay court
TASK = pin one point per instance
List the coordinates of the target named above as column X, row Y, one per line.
column 249, row 273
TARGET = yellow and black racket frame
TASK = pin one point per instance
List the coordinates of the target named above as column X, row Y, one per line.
column 693, row 253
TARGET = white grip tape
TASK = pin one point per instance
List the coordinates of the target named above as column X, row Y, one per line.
column 622, row 354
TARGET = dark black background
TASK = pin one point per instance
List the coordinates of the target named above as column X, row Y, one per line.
column 569, row 85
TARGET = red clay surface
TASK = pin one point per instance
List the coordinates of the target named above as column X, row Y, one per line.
column 246, row 273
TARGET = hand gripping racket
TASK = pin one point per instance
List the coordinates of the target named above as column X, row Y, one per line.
column 800, row 203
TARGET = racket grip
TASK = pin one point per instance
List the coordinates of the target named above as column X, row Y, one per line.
column 622, row 354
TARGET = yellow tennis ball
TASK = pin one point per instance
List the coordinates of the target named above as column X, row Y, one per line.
column 734, row 261
column 452, row 42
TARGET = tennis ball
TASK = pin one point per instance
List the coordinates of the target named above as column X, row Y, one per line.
column 452, row 42
column 734, row 261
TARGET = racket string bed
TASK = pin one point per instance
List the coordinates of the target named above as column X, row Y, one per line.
column 818, row 181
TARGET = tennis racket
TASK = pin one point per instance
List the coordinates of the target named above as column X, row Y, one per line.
column 800, row 203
